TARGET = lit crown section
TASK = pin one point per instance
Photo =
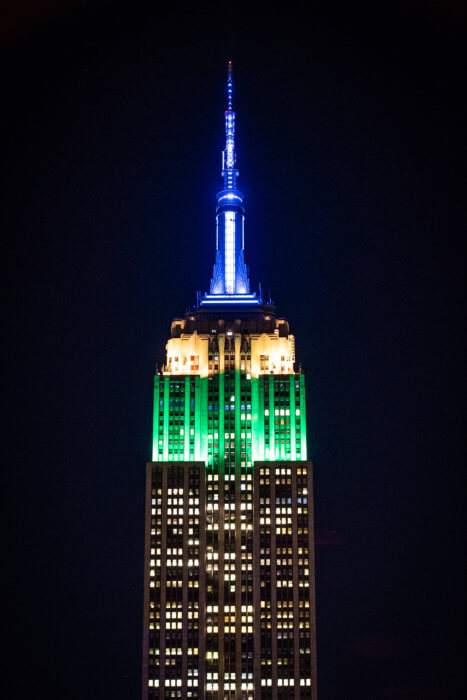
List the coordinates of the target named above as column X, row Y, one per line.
column 270, row 354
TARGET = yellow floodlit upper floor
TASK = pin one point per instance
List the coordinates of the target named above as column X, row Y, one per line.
column 207, row 354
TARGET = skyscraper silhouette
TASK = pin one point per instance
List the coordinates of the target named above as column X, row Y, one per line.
column 229, row 607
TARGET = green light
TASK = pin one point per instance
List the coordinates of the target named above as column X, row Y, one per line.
column 303, row 417
column 155, row 432
column 192, row 415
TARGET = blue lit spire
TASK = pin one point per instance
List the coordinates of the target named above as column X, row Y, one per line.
column 230, row 283
column 229, row 157
column 229, row 85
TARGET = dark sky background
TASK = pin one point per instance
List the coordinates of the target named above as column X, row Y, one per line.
column 349, row 145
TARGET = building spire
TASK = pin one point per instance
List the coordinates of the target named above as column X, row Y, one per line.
column 229, row 85
column 230, row 282
column 229, row 157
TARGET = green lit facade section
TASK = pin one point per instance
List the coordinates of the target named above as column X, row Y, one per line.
column 229, row 417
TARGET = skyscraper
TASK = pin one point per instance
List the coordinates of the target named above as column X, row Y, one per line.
column 229, row 607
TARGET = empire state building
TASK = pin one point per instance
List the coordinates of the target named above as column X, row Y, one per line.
column 229, row 599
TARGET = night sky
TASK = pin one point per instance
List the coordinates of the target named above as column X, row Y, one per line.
column 349, row 144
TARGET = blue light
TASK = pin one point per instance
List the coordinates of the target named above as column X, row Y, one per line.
column 230, row 274
column 238, row 300
column 230, row 196
column 230, row 296
column 229, row 248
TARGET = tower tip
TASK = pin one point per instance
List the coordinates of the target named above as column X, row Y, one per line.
column 229, row 85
